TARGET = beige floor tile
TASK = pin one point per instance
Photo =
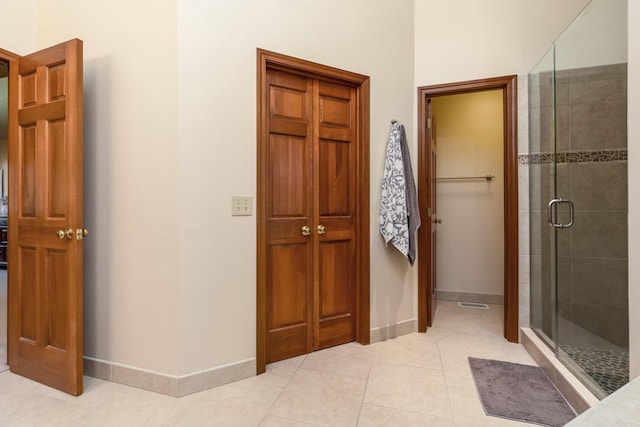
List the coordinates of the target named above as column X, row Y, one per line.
column 412, row 350
column 350, row 359
column 468, row 411
column 41, row 410
column 415, row 379
column 321, row 398
column 460, row 381
column 378, row 416
column 280, row 373
column 273, row 421
column 243, row 403
column 409, row 388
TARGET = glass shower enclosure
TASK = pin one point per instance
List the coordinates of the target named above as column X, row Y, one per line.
column 578, row 197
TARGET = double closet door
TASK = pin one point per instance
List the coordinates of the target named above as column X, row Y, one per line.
column 309, row 195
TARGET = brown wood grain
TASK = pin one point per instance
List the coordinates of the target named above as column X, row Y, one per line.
column 312, row 171
column 45, row 170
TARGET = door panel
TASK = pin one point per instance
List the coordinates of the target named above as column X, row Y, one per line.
column 289, row 322
column 27, row 147
column 337, row 296
column 336, row 212
column 288, row 176
column 45, row 170
column 334, row 171
column 289, row 208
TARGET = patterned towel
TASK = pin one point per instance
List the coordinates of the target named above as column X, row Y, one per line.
column 394, row 222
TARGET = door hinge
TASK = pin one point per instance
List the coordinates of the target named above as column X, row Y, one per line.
column 428, row 123
column 428, row 212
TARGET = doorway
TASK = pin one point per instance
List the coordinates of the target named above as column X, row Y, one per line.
column 313, row 208
column 427, row 191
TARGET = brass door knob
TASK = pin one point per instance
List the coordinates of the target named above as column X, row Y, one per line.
column 321, row 229
column 306, row 230
column 437, row 221
column 68, row 233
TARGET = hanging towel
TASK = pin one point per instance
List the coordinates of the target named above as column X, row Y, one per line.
column 413, row 210
column 394, row 223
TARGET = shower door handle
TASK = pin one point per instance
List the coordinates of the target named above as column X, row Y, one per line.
column 550, row 213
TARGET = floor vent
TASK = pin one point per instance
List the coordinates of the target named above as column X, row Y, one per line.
column 473, row 305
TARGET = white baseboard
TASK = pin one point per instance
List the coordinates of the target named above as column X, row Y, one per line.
column 391, row 331
column 470, row 297
column 176, row 386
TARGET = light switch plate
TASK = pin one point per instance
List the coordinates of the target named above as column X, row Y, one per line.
column 241, row 205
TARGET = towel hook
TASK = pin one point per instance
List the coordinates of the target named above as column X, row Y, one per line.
column 393, row 122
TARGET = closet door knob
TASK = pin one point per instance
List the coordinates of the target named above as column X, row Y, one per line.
column 437, row 221
column 306, row 230
column 68, row 233
column 321, row 229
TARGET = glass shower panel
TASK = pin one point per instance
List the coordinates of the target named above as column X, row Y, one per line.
column 590, row 89
column 542, row 190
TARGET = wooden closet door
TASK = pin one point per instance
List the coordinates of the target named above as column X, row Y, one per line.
column 335, row 213
column 310, row 190
column 288, row 194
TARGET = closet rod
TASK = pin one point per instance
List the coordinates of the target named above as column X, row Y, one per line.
column 456, row 178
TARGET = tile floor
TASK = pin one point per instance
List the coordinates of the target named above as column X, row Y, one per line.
column 412, row 380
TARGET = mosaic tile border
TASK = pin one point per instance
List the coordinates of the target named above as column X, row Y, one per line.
column 598, row 156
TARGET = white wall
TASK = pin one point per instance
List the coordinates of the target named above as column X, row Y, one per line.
column 18, row 25
column 470, row 240
column 633, row 144
column 469, row 39
column 580, row 46
column 217, row 150
column 131, row 174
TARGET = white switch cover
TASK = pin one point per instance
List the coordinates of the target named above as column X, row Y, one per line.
column 241, row 205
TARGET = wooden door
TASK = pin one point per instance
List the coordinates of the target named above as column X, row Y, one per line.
column 432, row 216
column 45, row 217
column 335, row 210
column 308, row 217
column 287, row 191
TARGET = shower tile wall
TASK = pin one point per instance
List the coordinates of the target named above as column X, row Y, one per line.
column 592, row 172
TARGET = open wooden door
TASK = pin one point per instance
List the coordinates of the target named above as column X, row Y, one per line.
column 432, row 217
column 45, row 217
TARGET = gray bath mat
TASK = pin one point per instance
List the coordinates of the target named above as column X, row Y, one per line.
column 519, row 392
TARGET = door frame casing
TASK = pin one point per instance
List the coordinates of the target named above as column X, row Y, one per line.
column 508, row 84
column 275, row 61
column 11, row 59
